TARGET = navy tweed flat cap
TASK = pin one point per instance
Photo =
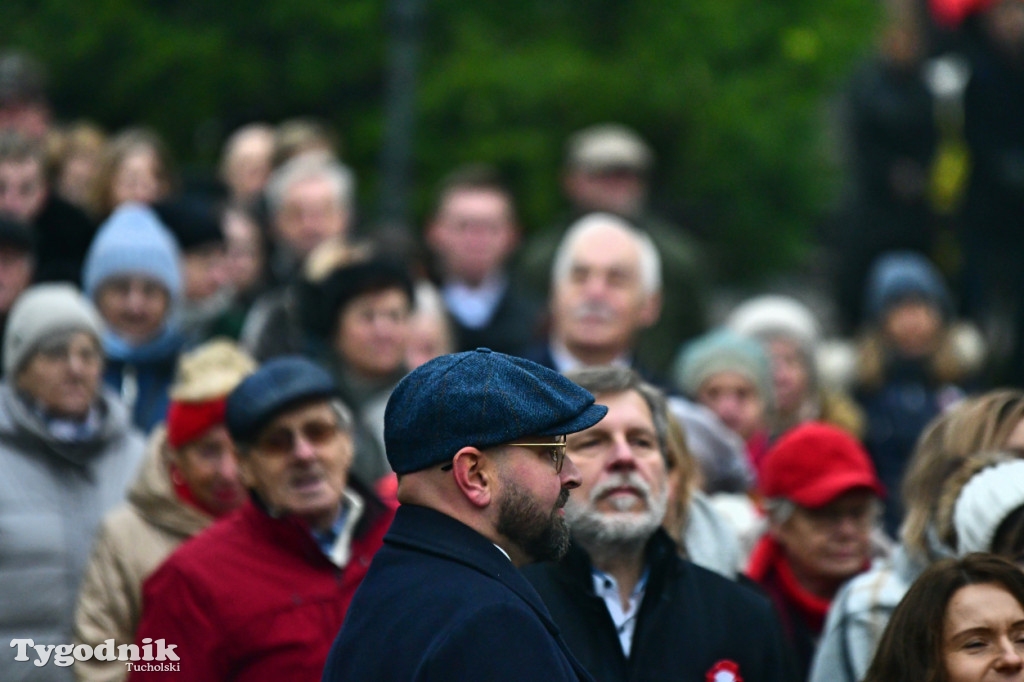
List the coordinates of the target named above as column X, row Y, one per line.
column 479, row 398
column 278, row 385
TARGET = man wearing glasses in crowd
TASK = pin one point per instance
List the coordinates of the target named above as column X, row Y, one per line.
column 261, row 595
column 478, row 442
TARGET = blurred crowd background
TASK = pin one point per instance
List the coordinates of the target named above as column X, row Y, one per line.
column 775, row 212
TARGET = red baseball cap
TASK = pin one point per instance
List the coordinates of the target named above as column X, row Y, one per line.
column 814, row 464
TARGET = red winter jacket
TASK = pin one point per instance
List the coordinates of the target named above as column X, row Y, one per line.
column 254, row 599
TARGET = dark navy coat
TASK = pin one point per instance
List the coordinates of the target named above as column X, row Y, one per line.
column 441, row 602
column 691, row 624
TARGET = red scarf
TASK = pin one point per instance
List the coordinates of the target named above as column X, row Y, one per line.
column 185, row 494
column 770, row 568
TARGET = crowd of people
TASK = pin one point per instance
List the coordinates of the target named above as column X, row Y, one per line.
column 249, row 432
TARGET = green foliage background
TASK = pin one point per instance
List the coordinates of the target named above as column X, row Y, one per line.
column 731, row 93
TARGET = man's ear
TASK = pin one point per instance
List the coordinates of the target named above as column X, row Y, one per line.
column 474, row 476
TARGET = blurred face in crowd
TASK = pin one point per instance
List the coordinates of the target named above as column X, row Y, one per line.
column 828, row 545
column 31, row 119
column 600, row 304
column 299, row 464
column 63, row 374
column 474, row 232
column 1004, row 25
column 138, row 177
column 736, row 401
column 789, row 373
column 247, row 163
column 624, row 490
column 373, row 331
column 244, row 254
column 22, row 189
column 204, row 271
column 16, row 268
column 983, row 635
column 429, row 338
column 617, row 190
column 134, row 306
column 311, row 212
column 78, row 175
column 208, row 466
column 913, row 327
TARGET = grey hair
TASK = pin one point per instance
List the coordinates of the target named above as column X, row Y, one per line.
column 343, row 413
column 305, row 167
column 650, row 260
column 618, row 379
column 779, row 509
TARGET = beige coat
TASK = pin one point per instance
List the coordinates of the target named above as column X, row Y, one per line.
column 132, row 542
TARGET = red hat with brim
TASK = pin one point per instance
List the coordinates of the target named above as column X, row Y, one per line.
column 815, row 463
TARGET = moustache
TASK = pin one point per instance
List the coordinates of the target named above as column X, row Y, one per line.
column 563, row 497
column 601, row 311
column 619, row 481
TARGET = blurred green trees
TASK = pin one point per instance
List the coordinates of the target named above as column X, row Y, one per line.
column 732, row 94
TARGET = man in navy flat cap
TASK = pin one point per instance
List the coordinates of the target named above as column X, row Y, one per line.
column 261, row 594
column 478, row 442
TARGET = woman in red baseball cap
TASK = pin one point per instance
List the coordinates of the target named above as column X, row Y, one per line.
column 822, row 498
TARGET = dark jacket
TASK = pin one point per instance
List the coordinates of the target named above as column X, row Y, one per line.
column 513, row 326
column 542, row 355
column 253, row 598
column 441, row 602
column 62, row 236
column 690, row 621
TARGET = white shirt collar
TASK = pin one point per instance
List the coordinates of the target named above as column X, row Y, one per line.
column 474, row 306
column 565, row 361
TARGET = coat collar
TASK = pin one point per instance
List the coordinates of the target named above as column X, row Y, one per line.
column 433, row 532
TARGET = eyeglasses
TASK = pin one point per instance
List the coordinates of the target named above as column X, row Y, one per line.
column 555, row 450
column 86, row 354
column 281, row 441
column 862, row 515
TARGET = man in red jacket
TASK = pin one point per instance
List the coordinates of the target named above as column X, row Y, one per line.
column 261, row 594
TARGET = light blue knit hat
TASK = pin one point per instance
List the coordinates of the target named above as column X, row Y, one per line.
column 133, row 241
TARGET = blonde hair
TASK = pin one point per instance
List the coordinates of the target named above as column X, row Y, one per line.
column 977, row 424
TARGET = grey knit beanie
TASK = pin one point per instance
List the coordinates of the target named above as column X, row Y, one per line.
column 41, row 312
column 723, row 351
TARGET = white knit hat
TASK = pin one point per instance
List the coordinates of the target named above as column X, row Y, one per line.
column 984, row 502
column 772, row 315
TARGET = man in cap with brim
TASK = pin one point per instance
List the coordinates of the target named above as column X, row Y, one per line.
column 478, row 442
column 259, row 596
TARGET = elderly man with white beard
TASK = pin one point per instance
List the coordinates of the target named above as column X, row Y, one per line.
column 628, row 605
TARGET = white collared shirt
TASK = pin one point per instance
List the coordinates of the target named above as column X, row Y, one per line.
column 474, row 306
column 565, row 361
column 607, row 588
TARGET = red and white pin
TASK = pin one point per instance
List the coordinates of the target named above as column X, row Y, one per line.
column 724, row 671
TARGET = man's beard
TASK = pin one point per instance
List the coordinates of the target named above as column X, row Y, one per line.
column 541, row 536
column 621, row 529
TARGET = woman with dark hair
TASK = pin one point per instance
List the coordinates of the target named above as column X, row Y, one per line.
column 962, row 621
